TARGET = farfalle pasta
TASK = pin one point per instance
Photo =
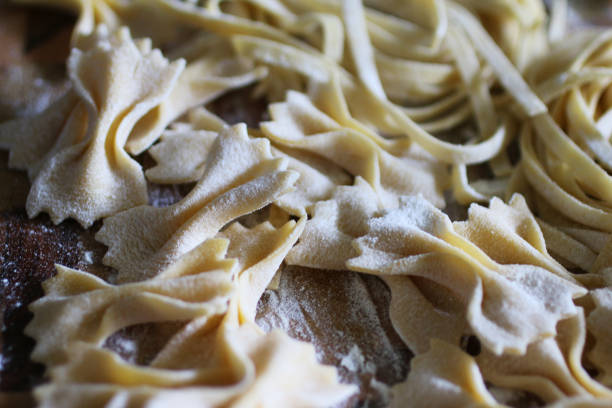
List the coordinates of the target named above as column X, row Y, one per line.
column 238, row 168
column 86, row 173
column 181, row 158
column 549, row 367
column 546, row 370
column 204, row 288
column 79, row 307
column 59, row 135
column 381, row 115
column 423, row 307
column 418, row 240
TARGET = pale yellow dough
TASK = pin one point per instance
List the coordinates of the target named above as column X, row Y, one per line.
column 445, row 376
column 380, row 111
column 502, row 300
column 241, row 176
column 213, row 360
column 84, row 170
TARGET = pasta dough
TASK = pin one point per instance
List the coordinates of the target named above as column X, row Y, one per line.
column 418, row 240
column 241, row 176
column 212, row 360
column 85, row 172
column 380, row 114
column 450, row 373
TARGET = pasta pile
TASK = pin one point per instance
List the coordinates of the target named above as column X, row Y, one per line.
column 381, row 115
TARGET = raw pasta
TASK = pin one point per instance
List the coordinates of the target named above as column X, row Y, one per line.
column 83, row 171
column 381, row 114
column 418, row 240
column 241, row 176
column 213, row 360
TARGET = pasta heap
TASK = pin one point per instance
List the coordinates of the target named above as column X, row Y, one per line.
column 381, row 114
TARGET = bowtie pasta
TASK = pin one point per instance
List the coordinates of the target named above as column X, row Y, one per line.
column 382, row 115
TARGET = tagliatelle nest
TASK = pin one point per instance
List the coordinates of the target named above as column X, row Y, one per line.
column 380, row 114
